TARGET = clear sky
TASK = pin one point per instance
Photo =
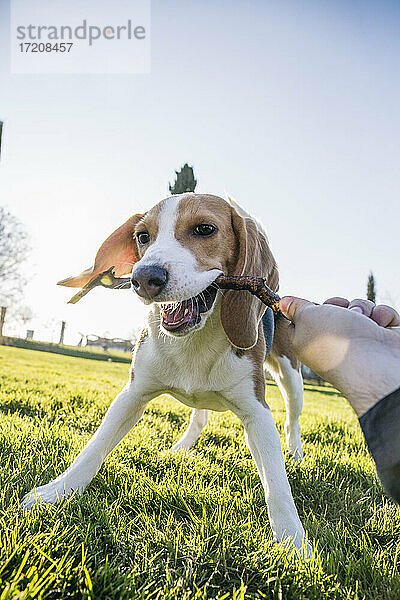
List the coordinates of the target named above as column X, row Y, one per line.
column 293, row 107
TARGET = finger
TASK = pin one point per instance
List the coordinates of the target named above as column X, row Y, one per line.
column 357, row 309
column 338, row 301
column 290, row 306
column 385, row 316
column 364, row 306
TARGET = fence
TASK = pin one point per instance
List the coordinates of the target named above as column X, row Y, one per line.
column 66, row 350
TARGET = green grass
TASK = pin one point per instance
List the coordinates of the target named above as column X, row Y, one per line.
column 191, row 526
column 92, row 352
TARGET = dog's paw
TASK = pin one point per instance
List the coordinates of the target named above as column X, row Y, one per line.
column 176, row 449
column 53, row 492
column 296, row 454
column 299, row 548
column 306, row 552
column 293, row 442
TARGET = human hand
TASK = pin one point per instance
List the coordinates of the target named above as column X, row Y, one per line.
column 353, row 345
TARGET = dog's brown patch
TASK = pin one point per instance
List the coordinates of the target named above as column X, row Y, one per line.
column 118, row 251
column 241, row 312
column 217, row 251
column 257, row 356
column 148, row 223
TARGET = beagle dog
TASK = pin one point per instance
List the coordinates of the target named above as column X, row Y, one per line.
column 215, row 350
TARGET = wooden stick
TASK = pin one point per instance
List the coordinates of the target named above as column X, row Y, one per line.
column 255, row 285
column 106, row 279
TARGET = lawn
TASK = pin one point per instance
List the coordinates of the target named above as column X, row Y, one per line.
column 191, row 526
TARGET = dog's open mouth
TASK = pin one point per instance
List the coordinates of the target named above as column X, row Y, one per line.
column 182, row 316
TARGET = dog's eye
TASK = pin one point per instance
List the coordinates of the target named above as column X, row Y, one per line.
column 143, row 238
column 204, row 229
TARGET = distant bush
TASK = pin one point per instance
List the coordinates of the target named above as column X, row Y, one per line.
column 121, row 357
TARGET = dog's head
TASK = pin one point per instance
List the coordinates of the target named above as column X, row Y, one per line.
column 177, row 249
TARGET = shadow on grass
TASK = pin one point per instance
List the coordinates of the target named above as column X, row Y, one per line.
column 336, row 491
column 333, row 433
column 219, row 439
column 12, row 407
column 220, row 566
column 171, row 416
column 327, row 391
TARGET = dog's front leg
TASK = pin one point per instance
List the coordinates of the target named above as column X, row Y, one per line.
column 124, row 412
column 265, row 446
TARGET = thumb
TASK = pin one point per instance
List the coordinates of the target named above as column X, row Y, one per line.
column 290, row 306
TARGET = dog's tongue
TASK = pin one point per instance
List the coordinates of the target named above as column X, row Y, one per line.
column 175, row 316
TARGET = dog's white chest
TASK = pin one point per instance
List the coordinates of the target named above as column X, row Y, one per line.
column 201, row 400
column 196, row 371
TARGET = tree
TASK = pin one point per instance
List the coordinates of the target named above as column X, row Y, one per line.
column 371, row 288
column 17, row 318
column 184, row 182
column 14, row 249
column 1, row 131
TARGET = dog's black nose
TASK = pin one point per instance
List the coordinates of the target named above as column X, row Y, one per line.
column 149, row 281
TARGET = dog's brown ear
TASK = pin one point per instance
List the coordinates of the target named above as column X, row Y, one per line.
column 241, row 312
column 116, row 251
